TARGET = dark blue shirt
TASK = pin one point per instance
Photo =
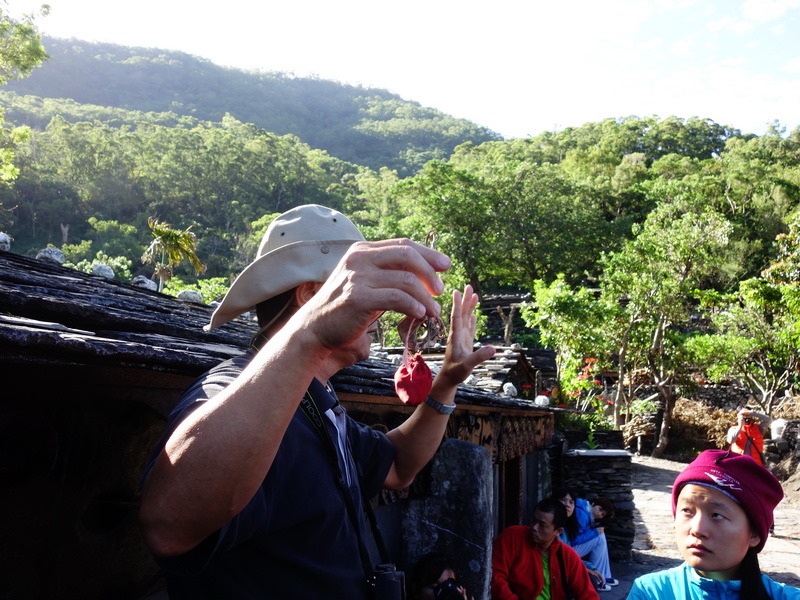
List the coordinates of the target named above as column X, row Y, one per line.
column 295, row 539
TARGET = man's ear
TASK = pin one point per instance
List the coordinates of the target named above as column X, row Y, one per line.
column 755, row 539
column 305, row 291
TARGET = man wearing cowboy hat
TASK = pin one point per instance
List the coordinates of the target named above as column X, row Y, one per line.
column 258, row 487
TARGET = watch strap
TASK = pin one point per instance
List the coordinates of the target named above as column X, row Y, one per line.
column 444, row 409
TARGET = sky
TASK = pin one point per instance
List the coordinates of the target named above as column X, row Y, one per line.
column 518, row 67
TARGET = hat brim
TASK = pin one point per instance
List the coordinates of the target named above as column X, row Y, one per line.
column 278, row 271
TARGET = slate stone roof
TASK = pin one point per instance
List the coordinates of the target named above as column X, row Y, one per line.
column 55, row 316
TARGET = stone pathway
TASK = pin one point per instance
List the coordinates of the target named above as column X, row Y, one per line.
column 654, row 547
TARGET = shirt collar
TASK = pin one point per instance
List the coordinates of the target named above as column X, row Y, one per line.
column 325, row 400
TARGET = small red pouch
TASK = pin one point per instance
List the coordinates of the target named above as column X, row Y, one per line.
column 413, row 380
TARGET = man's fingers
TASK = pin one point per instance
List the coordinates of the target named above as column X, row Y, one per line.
column 366, row 279
column 403, row 255
column 373, row 277
column 437, row 260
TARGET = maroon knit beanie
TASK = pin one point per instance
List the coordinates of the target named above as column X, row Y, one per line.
column 740, row 477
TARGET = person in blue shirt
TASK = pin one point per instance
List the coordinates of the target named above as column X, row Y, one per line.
column 723, row 504
column 583, row 533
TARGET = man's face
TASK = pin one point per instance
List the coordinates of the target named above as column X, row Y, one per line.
column 543, row 530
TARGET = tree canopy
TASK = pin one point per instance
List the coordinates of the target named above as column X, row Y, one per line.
column 21, row 51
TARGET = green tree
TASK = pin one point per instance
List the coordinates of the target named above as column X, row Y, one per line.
column 373, row 204
column 458, row 206
column 756, row 331
column 168, row 249
column 758, row 186
column 570, row 321
column 755, row 341
column 544, row 225
column 43, row 203
column 114, row 238
column 651, row 281
column 785, row 268
column 21, row 51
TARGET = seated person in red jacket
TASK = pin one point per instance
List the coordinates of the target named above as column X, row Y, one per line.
column 530, row 562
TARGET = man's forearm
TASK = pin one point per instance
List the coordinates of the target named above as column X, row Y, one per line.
column 418, row 438
column 217, row 457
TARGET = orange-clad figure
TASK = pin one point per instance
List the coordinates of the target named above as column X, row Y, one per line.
column 747, row 436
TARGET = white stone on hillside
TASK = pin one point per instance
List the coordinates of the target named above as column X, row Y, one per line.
column 102, row 270
column 144, row 282
column 190, row 296
column 51, row 254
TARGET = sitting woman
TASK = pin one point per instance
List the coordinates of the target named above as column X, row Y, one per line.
column 583, row 533
column 723, row 505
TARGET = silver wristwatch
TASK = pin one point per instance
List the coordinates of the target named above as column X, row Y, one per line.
column 444, row 409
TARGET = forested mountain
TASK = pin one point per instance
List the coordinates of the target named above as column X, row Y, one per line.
column 364, row 126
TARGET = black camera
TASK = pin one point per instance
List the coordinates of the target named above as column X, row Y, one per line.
column 748, row 420
column 389, row 583
column 448, row 590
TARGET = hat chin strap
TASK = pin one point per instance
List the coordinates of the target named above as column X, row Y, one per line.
column 261, row 337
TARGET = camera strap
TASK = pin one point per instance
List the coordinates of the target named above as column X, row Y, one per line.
column 313, row 413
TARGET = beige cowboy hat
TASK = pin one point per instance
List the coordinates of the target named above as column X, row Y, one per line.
column 303, row 244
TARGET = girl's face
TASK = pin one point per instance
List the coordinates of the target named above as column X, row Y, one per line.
column 598, row 512
column 712, row 532
column 569, row 503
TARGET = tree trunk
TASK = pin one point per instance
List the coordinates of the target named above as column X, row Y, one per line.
column 619, row 399
column 669, row 406
column 508, row 322
column 619, row 395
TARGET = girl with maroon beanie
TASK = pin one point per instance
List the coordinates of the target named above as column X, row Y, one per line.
column 723, row 504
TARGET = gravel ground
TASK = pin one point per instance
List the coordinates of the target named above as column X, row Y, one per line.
column 654, row 547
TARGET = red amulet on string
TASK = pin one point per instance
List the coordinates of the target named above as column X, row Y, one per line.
column 413, row 380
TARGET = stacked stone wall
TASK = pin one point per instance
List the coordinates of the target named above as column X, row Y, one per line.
column 595, row 473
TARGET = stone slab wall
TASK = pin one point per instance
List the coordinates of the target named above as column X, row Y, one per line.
column 594, row 473
column 455, row 519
